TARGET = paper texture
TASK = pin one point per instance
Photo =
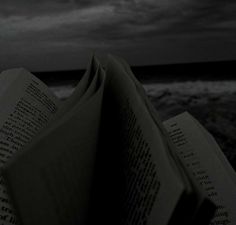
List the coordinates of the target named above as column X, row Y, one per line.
column 141, row 179
column 198, row 152
column 58, row 165
column 26, row 107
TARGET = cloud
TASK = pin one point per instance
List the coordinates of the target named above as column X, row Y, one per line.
column 54, row 26
column 118, row 20
column 32, row 8
column 201, row 16
column 73, row 25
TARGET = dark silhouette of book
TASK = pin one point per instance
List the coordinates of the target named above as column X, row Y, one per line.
column 104, row 156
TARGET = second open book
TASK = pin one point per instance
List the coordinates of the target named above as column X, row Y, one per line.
column 104, row 156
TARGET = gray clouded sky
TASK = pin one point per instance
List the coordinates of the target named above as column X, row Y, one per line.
column 62, row 34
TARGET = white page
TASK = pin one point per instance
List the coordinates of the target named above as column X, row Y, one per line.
column 86, row 87
column 215, row 147
column 83, row 90
column 132, row 123
column 198, row 153
column 27, row 106
column 58, row 166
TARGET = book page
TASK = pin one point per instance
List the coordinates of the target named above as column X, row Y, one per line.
column 58, row 166
column 83, row 90
column 215, row 147
column 27, row 106
column 135, row 184
column 209, row 167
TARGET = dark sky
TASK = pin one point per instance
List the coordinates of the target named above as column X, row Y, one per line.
column 62, row 34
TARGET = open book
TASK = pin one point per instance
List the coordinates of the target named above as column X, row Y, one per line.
column 104, row 157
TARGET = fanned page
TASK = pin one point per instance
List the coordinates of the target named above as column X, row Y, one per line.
column 201, row 155
column 27, row 105
column 192, row 208
column 58, row 165
column 84, row 89
column 135, row 183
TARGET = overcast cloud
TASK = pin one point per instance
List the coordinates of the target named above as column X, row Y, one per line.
column 61, row 34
